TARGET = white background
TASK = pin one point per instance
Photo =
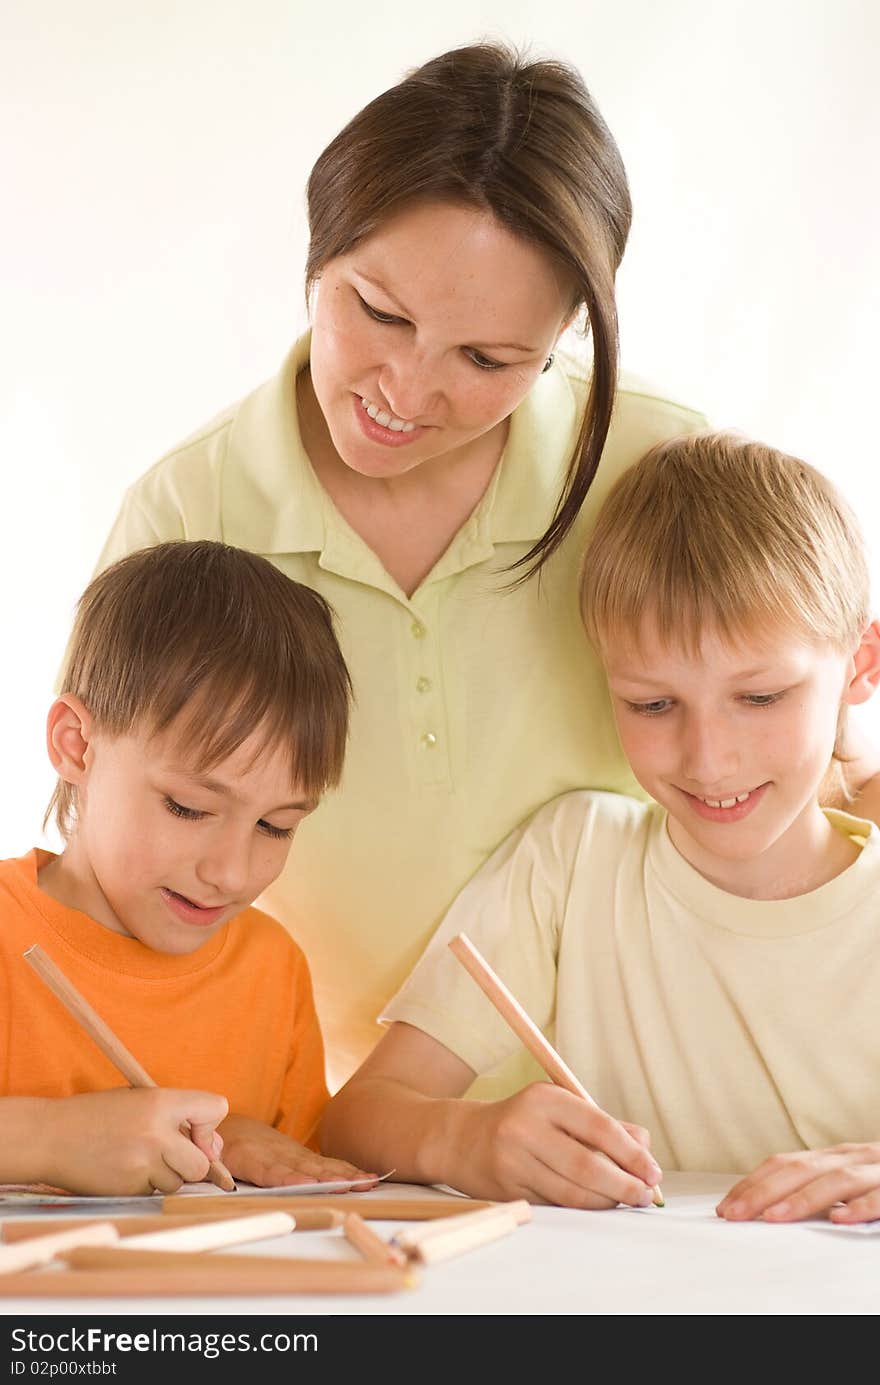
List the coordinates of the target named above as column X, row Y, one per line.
column 154, row 156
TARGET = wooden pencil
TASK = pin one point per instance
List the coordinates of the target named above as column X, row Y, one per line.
column 41, row 1249
column 177, row 1276
column 102, row 1035
column 522, row 1024
column 454, row 1236
column 370, row 1208
column 372, row 1247
column 417, row 1234
column 317, row 1219
column 203, row 1235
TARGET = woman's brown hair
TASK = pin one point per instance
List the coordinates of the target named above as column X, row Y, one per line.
column 221, row 644
column 482, row 127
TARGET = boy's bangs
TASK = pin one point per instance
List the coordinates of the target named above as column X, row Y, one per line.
column 215, row 724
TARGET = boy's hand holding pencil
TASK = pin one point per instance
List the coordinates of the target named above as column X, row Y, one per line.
column 127, row 1141
column 547, row 1146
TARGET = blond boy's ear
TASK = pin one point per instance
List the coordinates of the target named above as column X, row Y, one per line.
column 866, row 667
column 68, row 733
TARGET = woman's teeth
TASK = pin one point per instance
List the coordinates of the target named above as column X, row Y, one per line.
column 386, row 420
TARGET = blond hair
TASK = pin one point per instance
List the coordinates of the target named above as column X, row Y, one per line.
column 713, row 530
column 481, row 126
column 219, row 642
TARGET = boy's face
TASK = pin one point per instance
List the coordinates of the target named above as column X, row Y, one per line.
column 167, row 854
column 734, row 743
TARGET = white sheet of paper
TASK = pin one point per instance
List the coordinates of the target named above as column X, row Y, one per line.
column 24, row 1197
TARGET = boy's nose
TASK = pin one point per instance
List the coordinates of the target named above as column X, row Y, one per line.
column 225, row 869
column 710, row 754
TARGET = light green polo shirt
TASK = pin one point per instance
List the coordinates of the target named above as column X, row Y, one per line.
column 474, row 703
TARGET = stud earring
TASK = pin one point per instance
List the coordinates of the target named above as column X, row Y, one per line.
column 547, row 364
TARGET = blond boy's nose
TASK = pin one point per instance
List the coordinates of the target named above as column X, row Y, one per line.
column 710, row 755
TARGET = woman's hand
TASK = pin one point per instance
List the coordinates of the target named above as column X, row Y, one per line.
column 843, row 1181
column 258, row 1154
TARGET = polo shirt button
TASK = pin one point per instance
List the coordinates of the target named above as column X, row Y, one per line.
column 423, row 685
column 417, row 630
column 428, row 740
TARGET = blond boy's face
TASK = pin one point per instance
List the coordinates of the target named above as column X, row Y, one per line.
column 734, row 742
column 167, row 854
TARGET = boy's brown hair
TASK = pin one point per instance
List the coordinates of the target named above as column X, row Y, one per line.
column 218, row 641
column 713, row 530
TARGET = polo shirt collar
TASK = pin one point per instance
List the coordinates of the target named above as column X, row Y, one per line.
column 274, row 503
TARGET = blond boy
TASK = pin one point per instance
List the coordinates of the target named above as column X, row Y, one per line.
column 707, row 963
column 204, row 711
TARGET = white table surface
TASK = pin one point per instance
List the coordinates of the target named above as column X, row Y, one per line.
column 680, row 1259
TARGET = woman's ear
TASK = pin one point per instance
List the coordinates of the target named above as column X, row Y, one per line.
column 69, row 729
column 866, row 667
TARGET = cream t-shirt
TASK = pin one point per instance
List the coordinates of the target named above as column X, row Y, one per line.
column 731, row 1028
column 474, row 703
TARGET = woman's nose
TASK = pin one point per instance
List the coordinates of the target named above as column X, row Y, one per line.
column 411, row 386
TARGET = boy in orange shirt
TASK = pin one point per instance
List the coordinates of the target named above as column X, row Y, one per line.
column 204, row 711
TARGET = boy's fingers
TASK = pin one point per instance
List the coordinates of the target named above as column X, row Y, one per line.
column 205, row 1137
column 595, row 1127
column 202, row 1108
column 580, row 1176
column 790, row 1186
column 865, row 1208
column 845, row 1185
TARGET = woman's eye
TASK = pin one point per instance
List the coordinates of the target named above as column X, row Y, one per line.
column 179, row 811
column 484, row 362
column 375, row 314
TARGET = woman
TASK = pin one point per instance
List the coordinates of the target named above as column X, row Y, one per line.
column 424, row 463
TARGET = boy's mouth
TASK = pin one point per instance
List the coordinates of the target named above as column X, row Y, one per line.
column 730, row 808
column 188, row 910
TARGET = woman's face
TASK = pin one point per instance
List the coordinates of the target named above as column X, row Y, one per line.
column 428, row 334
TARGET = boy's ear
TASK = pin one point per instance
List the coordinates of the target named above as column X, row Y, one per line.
column 866, row 667
column 68, row 734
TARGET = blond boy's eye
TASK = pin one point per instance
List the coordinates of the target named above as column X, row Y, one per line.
column 762, row 699
column 651, row 709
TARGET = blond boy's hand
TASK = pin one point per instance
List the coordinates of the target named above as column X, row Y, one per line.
column 843, row 1181
column 258, row 1154
column 548, row 1146
column 129, row 1141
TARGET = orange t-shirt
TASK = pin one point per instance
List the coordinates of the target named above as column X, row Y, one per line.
column 235, row 1017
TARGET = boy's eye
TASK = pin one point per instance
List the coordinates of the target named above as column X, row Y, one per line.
column 650, row 709
column 179, row 811
column 762, row 699
column 375, row 313
column 279, row 833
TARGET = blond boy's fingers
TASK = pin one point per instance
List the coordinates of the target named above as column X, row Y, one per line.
column 864, row 1208
column 846, row 1183
column 781, row 1181
column 594, row 1127
column 571, row 1175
